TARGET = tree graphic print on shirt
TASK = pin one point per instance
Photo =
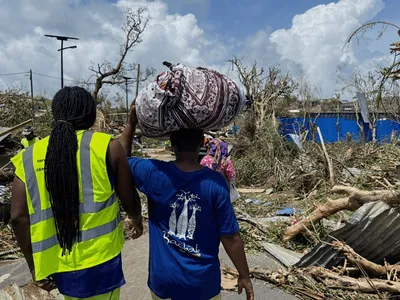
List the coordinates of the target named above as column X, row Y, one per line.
column 192, row 221
column 172, row 219
column 184, row 217
column 185, row 228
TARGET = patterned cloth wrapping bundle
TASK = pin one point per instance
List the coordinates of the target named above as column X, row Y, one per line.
column 188, row 98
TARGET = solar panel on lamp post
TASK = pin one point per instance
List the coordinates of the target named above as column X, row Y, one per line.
column 62, row 39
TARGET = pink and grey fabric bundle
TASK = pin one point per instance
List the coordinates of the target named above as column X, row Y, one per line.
column 188, row 98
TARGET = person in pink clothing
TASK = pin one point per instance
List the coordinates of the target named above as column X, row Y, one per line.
column 218, row 160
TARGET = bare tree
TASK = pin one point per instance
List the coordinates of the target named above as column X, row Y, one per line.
column 264, row 88
column 307, row 93
column 369, row 85
column 393, row 70
column 107, row 73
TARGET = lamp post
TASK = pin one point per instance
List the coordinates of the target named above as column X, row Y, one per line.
column 126, row 95
column 62, row 39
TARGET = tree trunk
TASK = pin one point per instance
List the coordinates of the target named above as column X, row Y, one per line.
column 353, row 202
column 373, row 133
column 364, row 285
column 357, row 260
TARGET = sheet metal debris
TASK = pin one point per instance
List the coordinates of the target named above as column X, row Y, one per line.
column 285, row 256
column 4, row 136
column 372, row 232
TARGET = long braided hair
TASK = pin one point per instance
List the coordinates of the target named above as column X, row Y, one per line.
column 73, row 109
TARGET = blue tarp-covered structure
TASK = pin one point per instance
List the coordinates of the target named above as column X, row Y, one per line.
column 336, row 127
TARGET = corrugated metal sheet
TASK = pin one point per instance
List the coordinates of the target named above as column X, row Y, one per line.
column 372, row 231
column 335, row 127
column 362, row 101
column 2, row 137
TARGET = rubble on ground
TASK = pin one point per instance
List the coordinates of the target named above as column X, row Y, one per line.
column 293, row 213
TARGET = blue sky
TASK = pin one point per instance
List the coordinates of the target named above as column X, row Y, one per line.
column 240, row 18
column 197, row 33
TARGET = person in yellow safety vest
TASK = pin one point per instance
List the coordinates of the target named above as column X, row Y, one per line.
column 29, row 137
column 65, row 211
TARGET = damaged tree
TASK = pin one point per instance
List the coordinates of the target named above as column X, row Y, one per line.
column 136, row 22
column 356, row 198
column 393, row 71
column 264, row 88
column 355, row 259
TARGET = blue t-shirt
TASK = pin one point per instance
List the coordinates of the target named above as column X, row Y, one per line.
column 188, row 212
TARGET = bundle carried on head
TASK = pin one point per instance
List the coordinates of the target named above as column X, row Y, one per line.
column 199, row 98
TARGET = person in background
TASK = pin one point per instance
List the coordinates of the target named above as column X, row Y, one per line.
column 204, row 147
column 218, row 159
column 64, row 209
column 189, row 215
column 29, row 137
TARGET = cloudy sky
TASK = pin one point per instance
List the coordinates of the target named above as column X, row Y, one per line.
column 296, row 34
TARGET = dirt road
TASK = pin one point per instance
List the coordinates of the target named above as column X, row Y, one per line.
column 135, row 260
column 135, row 263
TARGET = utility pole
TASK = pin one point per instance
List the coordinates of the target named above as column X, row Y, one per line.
column 33, row 105
column 126, row 95
column 137, row 81
column 62, row 39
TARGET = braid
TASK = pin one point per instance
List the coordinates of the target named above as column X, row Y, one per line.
column 73, row 109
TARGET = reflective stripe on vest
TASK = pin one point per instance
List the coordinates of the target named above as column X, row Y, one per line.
column 88, row 205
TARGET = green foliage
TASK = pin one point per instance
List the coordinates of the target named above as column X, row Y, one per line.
column 261, row 156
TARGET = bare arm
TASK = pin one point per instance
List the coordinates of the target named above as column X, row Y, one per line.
column 129, row 131
column 234, row 247
column 20, row 220
column 125, row 186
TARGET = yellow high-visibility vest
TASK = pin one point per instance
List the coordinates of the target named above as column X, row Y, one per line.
column 27, row 143
column 101, row 232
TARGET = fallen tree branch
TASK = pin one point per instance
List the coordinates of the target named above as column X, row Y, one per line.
column 274, row 277
column 328, row 159
column 323, row 211
column 356, row 198
column 335, row 281
column 357, row 260
column 387, row 196
column 12, row 251
column 253, row 223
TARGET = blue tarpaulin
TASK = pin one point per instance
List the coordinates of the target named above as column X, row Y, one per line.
column 335, row 129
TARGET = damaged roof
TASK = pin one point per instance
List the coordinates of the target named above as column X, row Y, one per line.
column 372, row 231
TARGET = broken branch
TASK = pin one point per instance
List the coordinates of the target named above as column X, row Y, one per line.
column 335, row 281
column 353, row 202
column 356, row 259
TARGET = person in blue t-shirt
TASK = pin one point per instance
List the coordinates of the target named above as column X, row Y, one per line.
column 190, row 213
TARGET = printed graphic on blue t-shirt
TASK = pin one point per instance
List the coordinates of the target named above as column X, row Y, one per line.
column 188, row 212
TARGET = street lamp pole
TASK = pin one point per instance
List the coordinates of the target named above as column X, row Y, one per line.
column 62, row 39
column 126, row 95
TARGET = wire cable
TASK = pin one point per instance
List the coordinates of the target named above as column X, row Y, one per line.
column 53, row 77
column 12, row 74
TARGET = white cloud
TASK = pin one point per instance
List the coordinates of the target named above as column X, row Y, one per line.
column 316, row 38
column 314, row 41
column 171, row 37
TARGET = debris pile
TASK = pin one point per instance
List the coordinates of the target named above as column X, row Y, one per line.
column 8, row 245
column 344, row 254
column 14, row 108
